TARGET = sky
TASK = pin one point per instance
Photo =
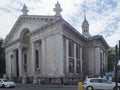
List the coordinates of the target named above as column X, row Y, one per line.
column 103, row 15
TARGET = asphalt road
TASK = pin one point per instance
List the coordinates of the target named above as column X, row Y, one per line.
column 40, row 88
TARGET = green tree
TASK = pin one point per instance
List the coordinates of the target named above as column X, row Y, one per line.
column 2, row 58
column 111, row 58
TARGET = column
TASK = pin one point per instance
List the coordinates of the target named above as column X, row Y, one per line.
column 67, row 56
column 105, row 63
column 81, row 61
column 33, row 57
column 97, row 61
column 14, row 64
column 11, row 58
column 7, row 62
column 59, row 54
column 43, row 64
column 20, row 61
column 74, row 58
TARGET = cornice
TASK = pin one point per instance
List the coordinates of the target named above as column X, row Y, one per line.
column 70, row 28
column 100, row 37
column 44, row 26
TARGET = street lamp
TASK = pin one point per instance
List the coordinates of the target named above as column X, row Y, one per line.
column 117, row 62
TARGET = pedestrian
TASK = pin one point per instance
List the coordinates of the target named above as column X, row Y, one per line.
column 62, row 80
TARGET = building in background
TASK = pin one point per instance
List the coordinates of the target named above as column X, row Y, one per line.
column 49, row 47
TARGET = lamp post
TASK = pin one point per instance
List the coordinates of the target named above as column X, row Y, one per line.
column 117, row 62
column 116, row 77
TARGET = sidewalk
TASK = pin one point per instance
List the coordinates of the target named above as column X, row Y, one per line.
column 39, row 85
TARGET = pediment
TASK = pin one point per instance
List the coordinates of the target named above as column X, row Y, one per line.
column 31, row 22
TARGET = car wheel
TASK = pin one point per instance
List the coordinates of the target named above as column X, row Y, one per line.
column 3, row 86
column 116, row 88
column 89, row 88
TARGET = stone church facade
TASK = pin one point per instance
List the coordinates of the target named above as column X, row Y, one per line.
column 49, row 47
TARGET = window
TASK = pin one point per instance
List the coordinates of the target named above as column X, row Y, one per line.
column 37, row 60
column 78, row 67
column 77, row 52
column 78, row 70
column 71, row 57
column 71, row 49
column 71, row 65
column 95, row 80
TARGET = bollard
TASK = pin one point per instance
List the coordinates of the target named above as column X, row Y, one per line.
column 80, row 86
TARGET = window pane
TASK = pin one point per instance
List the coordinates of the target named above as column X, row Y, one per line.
column 71, row 49
column 37, row 59
column 71, row 65
column 78, row 66
column 77, row 52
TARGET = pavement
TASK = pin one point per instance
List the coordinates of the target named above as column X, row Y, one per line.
column 39, row 85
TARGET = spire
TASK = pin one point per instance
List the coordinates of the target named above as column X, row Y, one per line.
column 24, row 10
column 85, row 27
column 84, row 15
column 57, row 9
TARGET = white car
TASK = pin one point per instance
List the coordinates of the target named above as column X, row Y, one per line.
column 6, row 83
column 99, row 83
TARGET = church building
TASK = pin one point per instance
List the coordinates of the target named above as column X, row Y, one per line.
column 41, row 46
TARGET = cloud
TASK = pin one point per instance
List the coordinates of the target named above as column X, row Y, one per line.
column 102, row 15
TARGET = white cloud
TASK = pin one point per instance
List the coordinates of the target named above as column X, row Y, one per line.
column 102, row 15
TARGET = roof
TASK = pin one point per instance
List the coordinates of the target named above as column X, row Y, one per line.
column 53, row 20
column 98, row 37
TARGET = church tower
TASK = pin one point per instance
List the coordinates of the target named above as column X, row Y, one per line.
column 85, row 28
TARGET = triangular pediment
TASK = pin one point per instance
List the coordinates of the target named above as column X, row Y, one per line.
column 31, row 22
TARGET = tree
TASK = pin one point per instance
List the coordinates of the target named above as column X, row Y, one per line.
column 111, row 58
column 2, row 59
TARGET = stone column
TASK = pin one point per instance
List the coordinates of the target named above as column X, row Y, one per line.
column 43, row 64
column 6, row 58
column 33, row 63
column 11, row 60
column 14, row 63
column 20, row 61
column 97, row 61
column 59, row 54
column 67, row 56
column 74, row 58
column 33, row 57
column 81, row 61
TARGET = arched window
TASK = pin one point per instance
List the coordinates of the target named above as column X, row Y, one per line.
column 24, row 33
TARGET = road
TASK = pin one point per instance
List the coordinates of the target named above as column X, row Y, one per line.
column 41, row 88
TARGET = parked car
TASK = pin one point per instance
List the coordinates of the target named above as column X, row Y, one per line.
column 6, row 83
column 99, row 83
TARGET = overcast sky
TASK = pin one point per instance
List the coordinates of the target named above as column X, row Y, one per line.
column 103, row 15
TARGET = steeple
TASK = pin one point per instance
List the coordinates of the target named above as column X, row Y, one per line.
column 24, row 10
column 57, row 9
column 85, row 27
